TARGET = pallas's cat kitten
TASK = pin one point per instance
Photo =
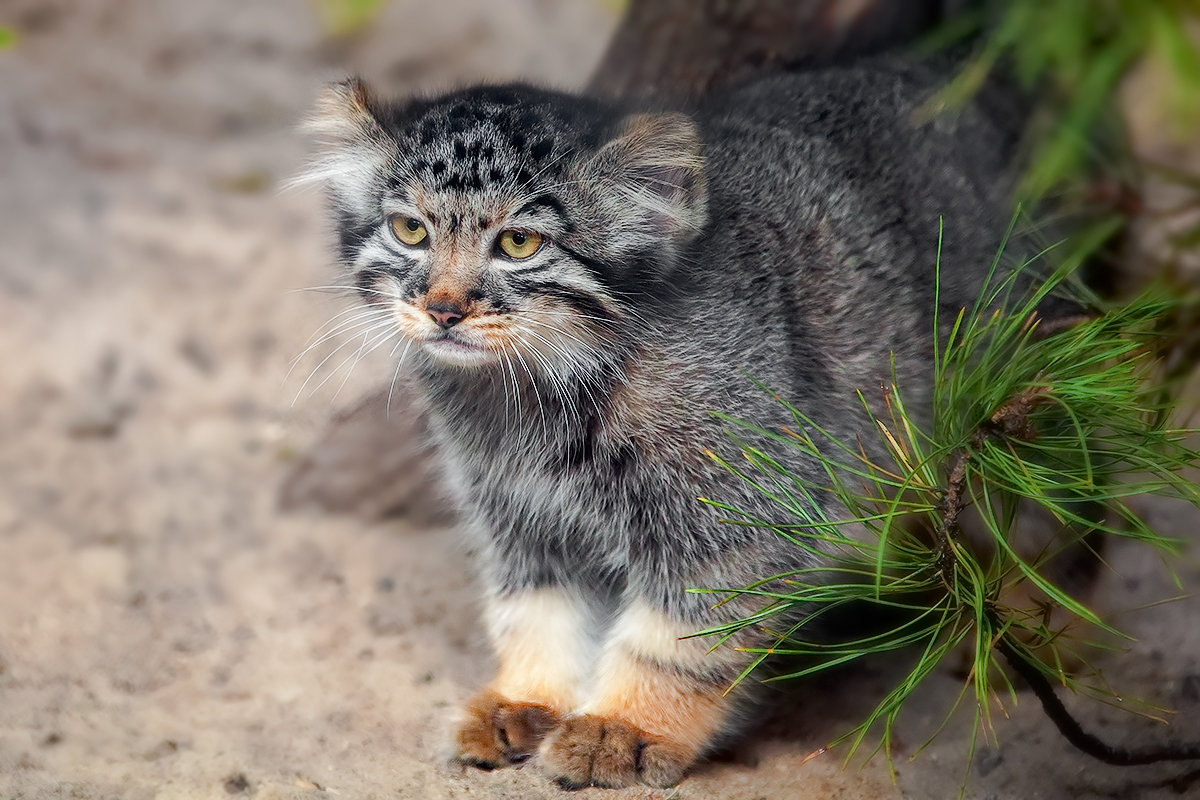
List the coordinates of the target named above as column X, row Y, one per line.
column 579, row 285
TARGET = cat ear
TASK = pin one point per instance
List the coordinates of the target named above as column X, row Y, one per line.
column 656, row 164
column 354, row 146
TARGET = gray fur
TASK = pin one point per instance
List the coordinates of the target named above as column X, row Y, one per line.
column 785, row 230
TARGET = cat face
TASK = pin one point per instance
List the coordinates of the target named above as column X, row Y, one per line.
column 508, row 226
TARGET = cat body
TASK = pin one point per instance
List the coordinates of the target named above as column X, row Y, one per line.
column 785, row 231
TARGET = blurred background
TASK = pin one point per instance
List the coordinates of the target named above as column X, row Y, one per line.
column 176, row 620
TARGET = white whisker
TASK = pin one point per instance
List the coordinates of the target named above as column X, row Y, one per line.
column 350, row 371
column 392, row 386
column 356, row 355
column 392, row 295
column 325, row 331
column 533, row 384
column 516, row 389
column 572, row 365
column 317, row 368
column 354, row 309
column 366, row 320
column 556, row 383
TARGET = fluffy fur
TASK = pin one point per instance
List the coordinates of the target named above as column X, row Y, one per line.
column 784, row 230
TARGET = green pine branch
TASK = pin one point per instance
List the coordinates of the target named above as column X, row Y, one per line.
column 1072, row 416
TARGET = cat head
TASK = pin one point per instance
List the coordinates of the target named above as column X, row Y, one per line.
column 508, row 219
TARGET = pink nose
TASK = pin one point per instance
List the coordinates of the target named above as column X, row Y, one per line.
column 445, row 314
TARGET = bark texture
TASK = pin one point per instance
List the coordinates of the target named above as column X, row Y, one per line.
column 689, row 46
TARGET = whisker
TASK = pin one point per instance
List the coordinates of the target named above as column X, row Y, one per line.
column 387, row 412
column 350, row 371
column 573, row 337
column 325, row 334
column 573, row 366
column 571, row 314
column 342, row 328
column 503, row 383
column 609, row 322
column 348, row 288
column 379, row 339
column 556, row 383
column 369, row 307
column 533, row 384
column 358, row 354
column 317, row 368
column 368, row 323
column 516, row 389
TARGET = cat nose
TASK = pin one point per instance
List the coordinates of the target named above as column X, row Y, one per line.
column 445, row 314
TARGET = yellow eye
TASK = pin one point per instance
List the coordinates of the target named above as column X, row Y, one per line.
column 408, row 230
column 519, row 245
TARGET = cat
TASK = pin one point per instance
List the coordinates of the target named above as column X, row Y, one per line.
column 578, row 284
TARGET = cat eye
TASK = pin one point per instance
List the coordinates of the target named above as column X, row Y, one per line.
column 408, row 230
column 519, row 245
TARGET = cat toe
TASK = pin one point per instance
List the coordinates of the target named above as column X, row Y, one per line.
column 496, row 732
column 589, row 750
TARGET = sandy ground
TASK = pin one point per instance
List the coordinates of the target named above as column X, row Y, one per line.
column 164, row 630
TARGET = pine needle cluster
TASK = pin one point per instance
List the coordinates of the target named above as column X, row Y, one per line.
column 1071, row 419
column 1070, row 416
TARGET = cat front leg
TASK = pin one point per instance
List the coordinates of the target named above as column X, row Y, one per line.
column 543, row 641
column 659, row 701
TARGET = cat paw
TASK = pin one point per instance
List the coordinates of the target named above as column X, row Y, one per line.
column 496, row 732
column 602, row 751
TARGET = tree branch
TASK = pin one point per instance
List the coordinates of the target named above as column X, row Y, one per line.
column 1012, row 421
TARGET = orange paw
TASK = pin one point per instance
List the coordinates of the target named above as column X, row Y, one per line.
column 603, row 751
column 496, row 732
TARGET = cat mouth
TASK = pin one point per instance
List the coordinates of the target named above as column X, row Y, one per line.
column 453, row 349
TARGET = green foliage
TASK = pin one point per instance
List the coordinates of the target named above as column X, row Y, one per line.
column 1075, row 53
column 1070, row 417
column 8, row 38
column 341, row 18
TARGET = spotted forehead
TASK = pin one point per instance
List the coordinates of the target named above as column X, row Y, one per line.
column 463, row 214
column 494, row 140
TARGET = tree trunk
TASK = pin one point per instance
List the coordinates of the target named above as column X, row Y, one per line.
column 690, row 46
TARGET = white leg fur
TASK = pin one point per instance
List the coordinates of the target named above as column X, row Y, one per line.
column 544, row 641
column 667, row 685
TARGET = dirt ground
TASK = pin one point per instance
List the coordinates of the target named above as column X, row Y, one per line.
column 167, row 632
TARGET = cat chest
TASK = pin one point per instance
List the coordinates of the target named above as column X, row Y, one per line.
column 558, row 491
column 592, row 486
